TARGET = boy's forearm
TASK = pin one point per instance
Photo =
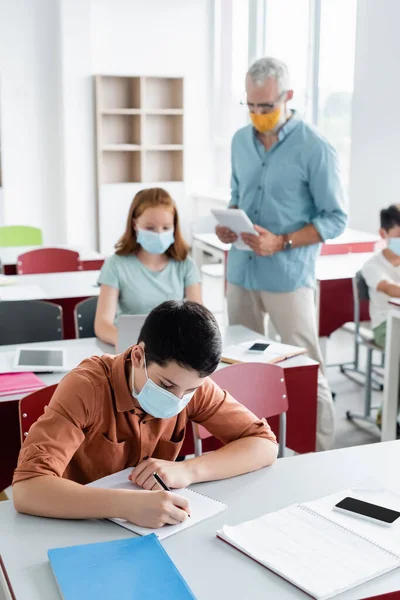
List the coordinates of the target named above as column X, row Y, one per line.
column 236, row 458
column 49, row 496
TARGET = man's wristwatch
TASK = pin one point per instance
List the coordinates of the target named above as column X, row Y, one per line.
column 287, row 242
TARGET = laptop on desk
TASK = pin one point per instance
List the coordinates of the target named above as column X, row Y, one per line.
column 128, row 329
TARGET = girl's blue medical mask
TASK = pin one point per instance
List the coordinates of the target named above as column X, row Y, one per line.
column 153, row 242
column 394, row 245
column 158, row 402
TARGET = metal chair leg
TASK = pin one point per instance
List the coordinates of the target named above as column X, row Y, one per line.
column 367, row 393
column 282, row 435
column 368, row 384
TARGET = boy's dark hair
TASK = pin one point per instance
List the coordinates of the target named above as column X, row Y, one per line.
column 390, row 217
column 183, row 332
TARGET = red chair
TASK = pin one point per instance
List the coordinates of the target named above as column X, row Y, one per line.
column 388, row 596
column 258, row 386
column 31, row 407
column 48, row 260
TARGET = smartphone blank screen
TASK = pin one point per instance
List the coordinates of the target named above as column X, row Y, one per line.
column 366, row 509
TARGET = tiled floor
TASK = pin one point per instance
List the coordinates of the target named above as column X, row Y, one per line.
column 349, row 395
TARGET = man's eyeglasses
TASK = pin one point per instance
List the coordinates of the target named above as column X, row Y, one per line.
column 264, row 107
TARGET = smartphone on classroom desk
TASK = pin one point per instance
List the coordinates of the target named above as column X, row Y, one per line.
column 366, row 510
column 258, row 348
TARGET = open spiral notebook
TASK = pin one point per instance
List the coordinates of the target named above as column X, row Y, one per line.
column 319, row 550
column 201, row 507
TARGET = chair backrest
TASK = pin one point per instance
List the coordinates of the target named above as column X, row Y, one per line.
column 362, row 287
column 20, row 235
column 360, row 295
column 258, row 386
column 27, row 321
column 48, row 260
column 84, row 314
column 31, row 407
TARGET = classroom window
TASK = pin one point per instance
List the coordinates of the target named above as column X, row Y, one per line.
column 287, row 32
column 316, row 38
column 231, row 22
column 336, row 76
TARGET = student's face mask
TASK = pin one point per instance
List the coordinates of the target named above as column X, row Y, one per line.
column 153, row 242
column 394, row 245
column 158, row 402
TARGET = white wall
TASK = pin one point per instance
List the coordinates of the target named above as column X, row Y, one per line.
column 375, row 153
column 31, row 115
column 159, row 37
column 78, row 122
column 49, row 51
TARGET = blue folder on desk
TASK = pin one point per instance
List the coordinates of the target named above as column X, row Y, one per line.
column 129, row 569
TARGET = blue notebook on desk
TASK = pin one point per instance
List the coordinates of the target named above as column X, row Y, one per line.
column 131, row 569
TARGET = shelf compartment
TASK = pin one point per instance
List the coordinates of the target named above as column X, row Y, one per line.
column 122, row 111
column 163, row 93
column 120, row 129
column 119, row 92
column 121, row 167
column 163, row 111
column 163, row 129
column 163, row 165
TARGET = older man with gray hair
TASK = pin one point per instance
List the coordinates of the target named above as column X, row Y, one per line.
column 286, row 177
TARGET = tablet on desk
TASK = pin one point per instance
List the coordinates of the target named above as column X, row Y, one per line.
column 237, row 221
column 40, row 360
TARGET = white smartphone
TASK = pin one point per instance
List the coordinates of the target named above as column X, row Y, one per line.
column 258, row 347
column 368, row 511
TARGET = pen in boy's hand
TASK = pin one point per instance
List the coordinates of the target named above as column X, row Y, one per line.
column 162, row 483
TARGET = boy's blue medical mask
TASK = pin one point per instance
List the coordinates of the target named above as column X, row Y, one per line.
column 394, row 245
column 153, row 242
column 158, row 402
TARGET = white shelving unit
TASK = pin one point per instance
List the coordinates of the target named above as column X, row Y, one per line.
column 140, row 142
column 141, row 115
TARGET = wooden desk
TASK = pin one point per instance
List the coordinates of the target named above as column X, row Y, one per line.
column 89, row 259
column 65, row 289
column 213, row 570
column 301, row 375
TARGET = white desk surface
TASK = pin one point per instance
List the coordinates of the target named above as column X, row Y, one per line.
column 9, row 254
column 75, row 284
column 213, row 570
column 340, row 266
column 354, row 236
column 328, row 267
column 350, row 236
column 395, row 302
column 78, row 350
column 211, row 240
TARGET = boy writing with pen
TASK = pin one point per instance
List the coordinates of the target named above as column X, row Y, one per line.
column 113, row 412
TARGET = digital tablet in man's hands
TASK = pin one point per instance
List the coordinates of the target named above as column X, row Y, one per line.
column 237, row 221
